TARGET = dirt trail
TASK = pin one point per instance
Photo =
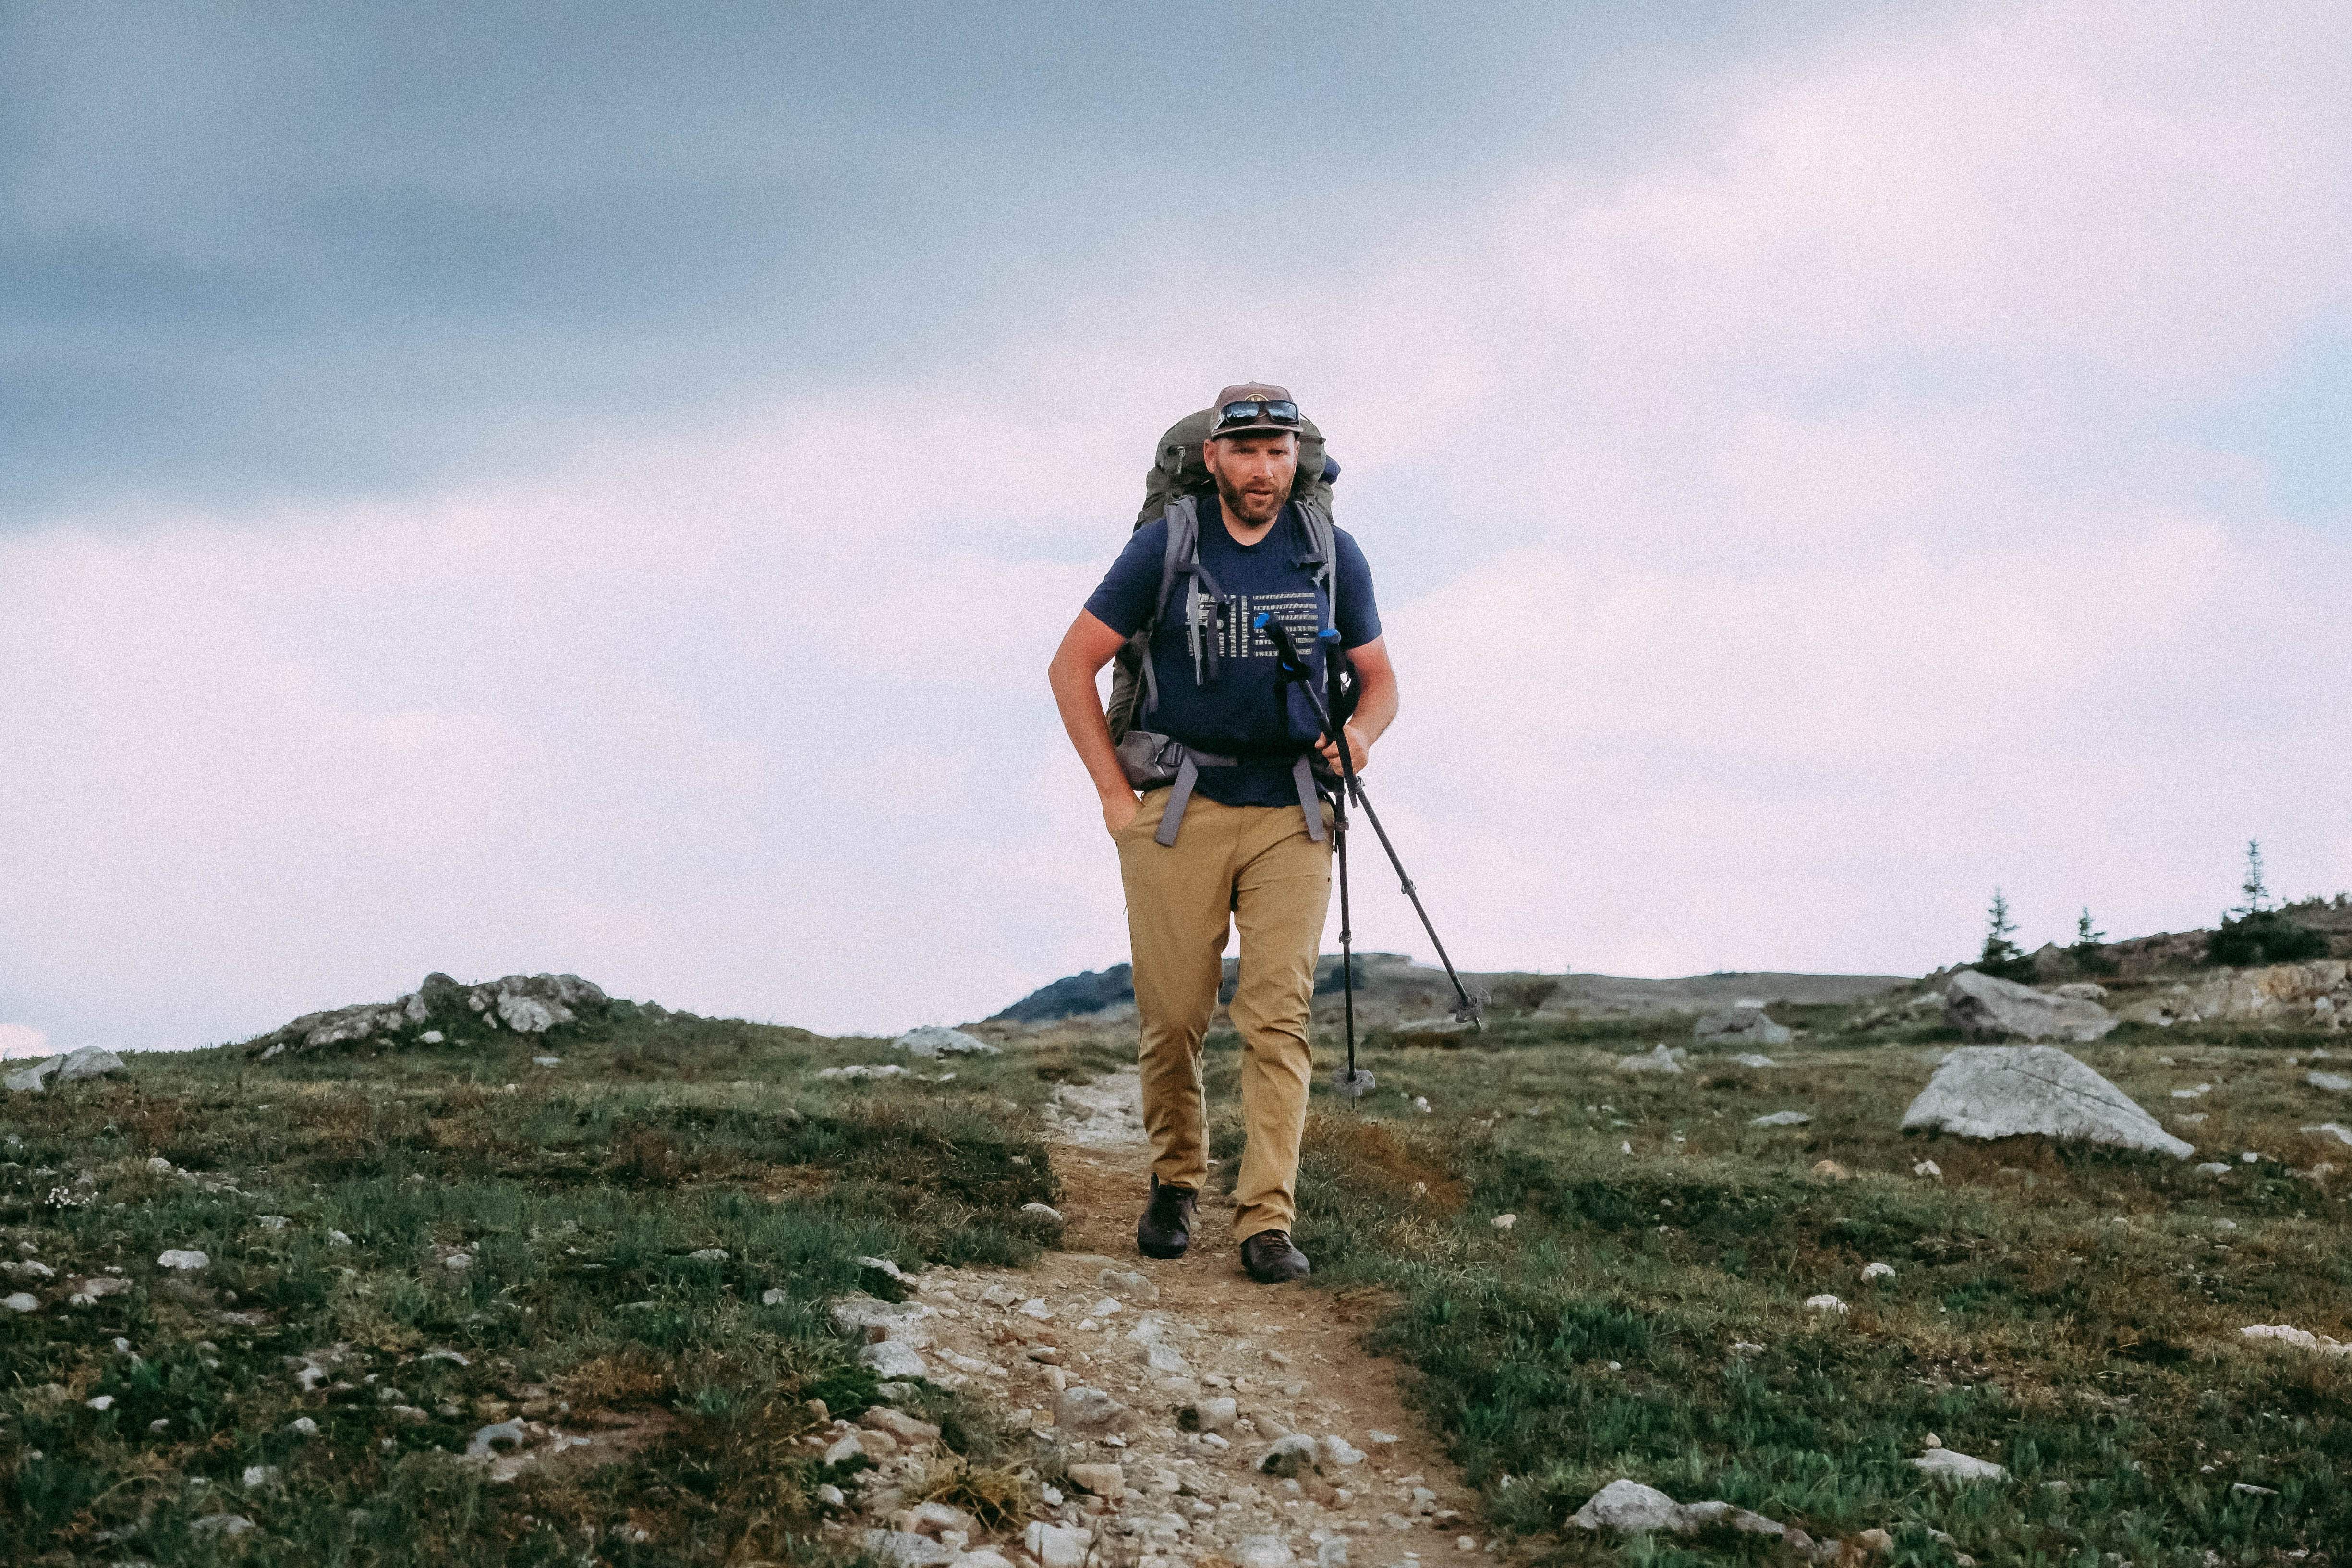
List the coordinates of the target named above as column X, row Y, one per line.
column 1159, row 1337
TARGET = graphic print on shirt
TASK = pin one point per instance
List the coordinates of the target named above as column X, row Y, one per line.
column 1231, row 619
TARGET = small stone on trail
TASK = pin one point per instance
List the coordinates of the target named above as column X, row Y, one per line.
column 1042, row 1211
column 1337, row 1451
column 892, row 1359
column 1035, row 1307
column 1083, row 1412
column 1290, row 1456
column 1380, row 1439
column 1108, row 1482
column 1782, row 1119
column 1056, row 1545
column 905, row 1549
column 1261, row 1552
column 1208, row 1415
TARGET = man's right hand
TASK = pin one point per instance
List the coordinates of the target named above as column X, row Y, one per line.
column 1120, row 808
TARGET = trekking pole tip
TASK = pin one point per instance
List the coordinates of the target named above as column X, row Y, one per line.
column 1354, row 1085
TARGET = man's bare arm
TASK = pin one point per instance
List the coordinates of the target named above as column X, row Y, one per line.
column 1376, row 703
column 1085, row 648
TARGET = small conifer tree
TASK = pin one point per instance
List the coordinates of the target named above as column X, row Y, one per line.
column 2089, row 951
column 2001, row 955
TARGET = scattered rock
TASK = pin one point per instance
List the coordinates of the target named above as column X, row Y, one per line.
column 221, row 1524
column 1083, row 1412
column 871, row 1318
column 2007, row 1091
column 1929, row 1169
column 1337, row 1452
column 888, row 1069
column 1878, row 1271
column 1504, row 1221
column 2334, row 1082
column 1632, row 1508
column 709, row 1255
column 2341, row 1133
column 1746, row 1025
column 1056, row 1545
column 1985, row 1008
column 1261, row 1552
column 934, row 1040
column 905, row 1549
column 2303, row 1338
column 2080, row 991
column 487, row 1439
column 1657, row 1059
column 1292, row 1455
column 1150, row 1337
column 2248, row 1488
column 906, row 1428
column 1782, row 1119
column 1103, row 1480
column 892, row 1359
column 187, row 1260
column 1829, row 1170
column 1951, row 1466
column 18, row 1301
column 1047, row 1212
column 1825, row 1303
column 1208, row 1415
column 1750, row 1059
column 1125, row 1282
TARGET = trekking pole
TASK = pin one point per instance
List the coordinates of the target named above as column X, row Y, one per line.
column 1466, row 1010
column 1352, row 1083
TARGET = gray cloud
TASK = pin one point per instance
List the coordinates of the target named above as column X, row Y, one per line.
column 319, row 250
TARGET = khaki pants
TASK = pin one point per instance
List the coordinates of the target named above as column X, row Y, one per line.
column 1255, row 864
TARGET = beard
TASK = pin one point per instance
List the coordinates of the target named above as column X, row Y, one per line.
column 1252, row 509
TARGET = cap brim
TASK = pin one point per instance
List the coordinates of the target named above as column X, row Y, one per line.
column 1264, row 428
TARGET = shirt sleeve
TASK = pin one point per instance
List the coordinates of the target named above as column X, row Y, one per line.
column 1129, row 588
column 1359, row 614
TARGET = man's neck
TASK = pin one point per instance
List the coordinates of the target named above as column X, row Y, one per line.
column 1242, row 531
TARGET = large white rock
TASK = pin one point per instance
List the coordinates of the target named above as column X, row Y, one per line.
column 2009, row 1091
column 1632, row 1507
column 1951, row 1465
column 1984, row 1008
column 89, row 1061
column 1746, row 1025
column 939, row 1040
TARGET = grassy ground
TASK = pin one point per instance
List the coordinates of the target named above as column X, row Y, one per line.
column 2069, row 1314
column 577, row 1195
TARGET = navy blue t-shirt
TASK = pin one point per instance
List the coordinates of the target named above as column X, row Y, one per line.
column 1245, row 712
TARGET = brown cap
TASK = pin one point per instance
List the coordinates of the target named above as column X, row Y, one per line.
column 1252, row 391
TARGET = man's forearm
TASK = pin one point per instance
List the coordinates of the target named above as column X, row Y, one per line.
column 1082, row 717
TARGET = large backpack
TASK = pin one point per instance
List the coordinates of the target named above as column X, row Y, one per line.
column 1172, row 490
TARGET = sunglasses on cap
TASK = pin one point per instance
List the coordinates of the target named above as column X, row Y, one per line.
column 1249, row 410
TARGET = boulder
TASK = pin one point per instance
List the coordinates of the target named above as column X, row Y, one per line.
column 89, row 1061
column 938, row 1040
column 1985, row 1008
column 1629, row 1506
column 1742, row 1025
column 519, row 1003
column 2010, row 1091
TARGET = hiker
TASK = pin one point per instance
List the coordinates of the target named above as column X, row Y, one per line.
column 1230, row 822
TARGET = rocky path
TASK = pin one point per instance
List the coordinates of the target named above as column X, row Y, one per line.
column 1203, row 1418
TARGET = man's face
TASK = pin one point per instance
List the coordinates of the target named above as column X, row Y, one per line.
column 1253, row 473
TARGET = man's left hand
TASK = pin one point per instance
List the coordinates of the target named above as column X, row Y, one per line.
column 1360, row 749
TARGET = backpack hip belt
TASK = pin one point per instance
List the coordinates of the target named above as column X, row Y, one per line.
column 1150, row 761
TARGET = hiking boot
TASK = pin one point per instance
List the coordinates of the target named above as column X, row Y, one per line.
column 1166, row 1228
column 1271, row 1259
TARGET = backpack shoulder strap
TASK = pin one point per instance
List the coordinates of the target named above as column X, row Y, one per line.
column 1180, row 556
column 1323, row 544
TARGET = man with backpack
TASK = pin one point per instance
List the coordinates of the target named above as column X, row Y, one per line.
column 1225, row 748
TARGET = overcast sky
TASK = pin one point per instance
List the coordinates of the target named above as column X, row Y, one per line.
column 595, row 487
